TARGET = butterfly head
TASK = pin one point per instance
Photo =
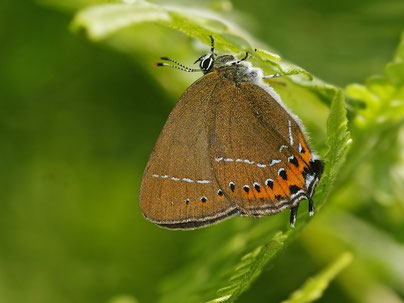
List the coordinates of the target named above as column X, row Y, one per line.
column 209, row 62
column 206, row 62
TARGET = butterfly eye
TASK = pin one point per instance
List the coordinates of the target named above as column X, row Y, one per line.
column 206, row 64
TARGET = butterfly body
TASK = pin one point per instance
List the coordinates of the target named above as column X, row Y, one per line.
column 229, row 147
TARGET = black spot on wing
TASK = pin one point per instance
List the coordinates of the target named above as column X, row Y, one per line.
column 317, row 166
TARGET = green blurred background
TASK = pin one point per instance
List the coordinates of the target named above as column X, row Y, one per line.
column 78, row 121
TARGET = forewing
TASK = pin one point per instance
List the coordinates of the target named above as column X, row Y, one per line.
column 178, row 188
column 260, row 156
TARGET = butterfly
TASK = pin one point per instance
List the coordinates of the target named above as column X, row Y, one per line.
column 230, row 147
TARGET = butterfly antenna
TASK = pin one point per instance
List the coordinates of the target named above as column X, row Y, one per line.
column 212, row 45
column 178, row 65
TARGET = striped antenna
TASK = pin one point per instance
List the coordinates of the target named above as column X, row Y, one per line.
column 178, row 65
column 212, row 45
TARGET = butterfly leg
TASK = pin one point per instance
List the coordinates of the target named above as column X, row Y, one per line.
column 293, row 215
column 272, row 76
column 311, row 206
column 247, row 55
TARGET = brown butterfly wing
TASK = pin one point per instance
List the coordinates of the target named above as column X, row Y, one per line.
column 258, row 151
column 179, row 189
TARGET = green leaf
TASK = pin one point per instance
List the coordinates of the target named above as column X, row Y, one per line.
column 100, row 21
column 338, row 142
column 105, row 20
column 314, row 287
column 264, row 54
column 380, row 117
column 369, row 242
column 399, row 56
column 383, row 95
column 249, row 268
column 370, row 186
column 395, row 70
